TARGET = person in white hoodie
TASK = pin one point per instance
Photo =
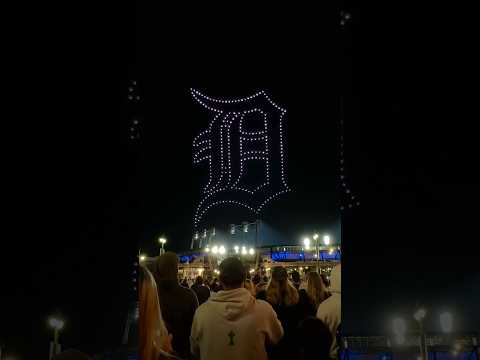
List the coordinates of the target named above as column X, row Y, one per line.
column 232, row 324
column 330, row 310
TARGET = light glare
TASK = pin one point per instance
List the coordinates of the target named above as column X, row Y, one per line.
column 326, row 239
column 446, row 322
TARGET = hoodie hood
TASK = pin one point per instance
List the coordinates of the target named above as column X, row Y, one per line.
column 233, row 303
column 336, row 279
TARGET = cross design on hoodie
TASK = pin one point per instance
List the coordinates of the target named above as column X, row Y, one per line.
column 231, row 335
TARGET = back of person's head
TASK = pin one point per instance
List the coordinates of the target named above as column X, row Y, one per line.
column 150, row 320
column 167, row 266
column 316, row 289
column 295, row 277
column 71, row 355
column 265, row 279
column 280, row 291
column 232, row 273
column 314, row 339
column 325, row 280
column 199, row 280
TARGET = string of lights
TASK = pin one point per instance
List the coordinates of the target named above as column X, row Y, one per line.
column 348, row 199
column 133, row 97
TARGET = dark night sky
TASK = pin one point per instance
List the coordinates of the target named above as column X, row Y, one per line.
column 83, row 199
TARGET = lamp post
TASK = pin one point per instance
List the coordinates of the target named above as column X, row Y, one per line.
column 317, row 252
column 162, row 241
column 57, row 325
column 419, row 316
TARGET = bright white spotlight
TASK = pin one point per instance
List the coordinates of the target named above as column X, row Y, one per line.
column 399, row 326
column 306, row 242
column 326, row 239
column 207, row 249
column 56, row 324
column 446, row 322
column 244, row 250
column 221, row 250
column 162, row 240
column 142, row 257
column 420, row 314
column 251, row 251
column 215, row 249
column 330, row 252
column 236, row 248
column 315, row 236
column 252, row 271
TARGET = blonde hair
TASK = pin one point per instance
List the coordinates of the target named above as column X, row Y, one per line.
column 153, row 334
column 316, row 290
column 280, row 290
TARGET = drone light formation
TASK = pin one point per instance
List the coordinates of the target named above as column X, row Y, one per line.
column 227, row 147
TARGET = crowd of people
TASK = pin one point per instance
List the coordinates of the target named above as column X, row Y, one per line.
column 237, row 316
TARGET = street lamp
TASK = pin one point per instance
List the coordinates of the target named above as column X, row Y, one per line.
column 244, row 250
column 236, row 248
column 326, row 239
column 162, row 241
column 215, row 249
column 57, row 325
column 251, row 251
column 221, row 250
column 306, row 242
column 142, row 258
column 420, row 315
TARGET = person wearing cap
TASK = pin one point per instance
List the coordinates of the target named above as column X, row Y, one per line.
column 202, row 292
column 232, row 324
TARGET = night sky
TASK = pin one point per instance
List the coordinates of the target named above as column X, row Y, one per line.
column 82, row 198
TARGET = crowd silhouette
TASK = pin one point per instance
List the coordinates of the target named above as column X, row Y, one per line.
column 236, row 316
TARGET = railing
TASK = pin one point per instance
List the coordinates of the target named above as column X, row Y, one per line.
column 439, row 346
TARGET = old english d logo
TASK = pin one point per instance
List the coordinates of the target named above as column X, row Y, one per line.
column 243, row 151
